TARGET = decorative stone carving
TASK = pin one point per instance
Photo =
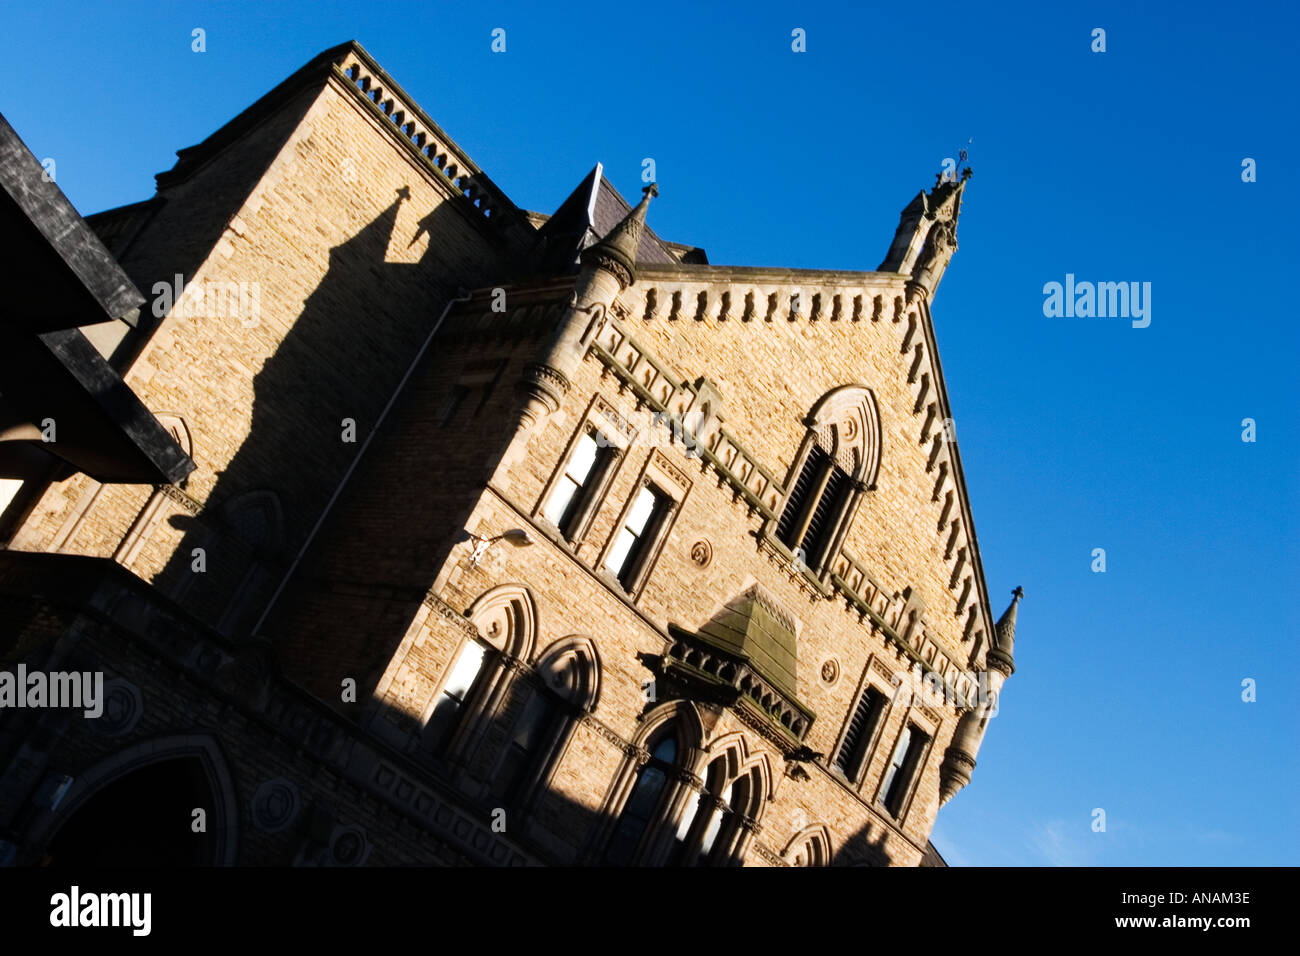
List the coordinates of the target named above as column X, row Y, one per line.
column 123, row 708
column 702, row 552
column 349, row 846
column 275, row 805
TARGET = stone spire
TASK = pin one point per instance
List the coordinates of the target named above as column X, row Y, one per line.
column 926, row 236
column 617, row 251
column 959, row 759
column 1002, row 650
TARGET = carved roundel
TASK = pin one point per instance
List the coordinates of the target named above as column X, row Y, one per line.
column 830, row 670
column 123, row 708
column 275, row 805
column 702, row 552
column 349, row 846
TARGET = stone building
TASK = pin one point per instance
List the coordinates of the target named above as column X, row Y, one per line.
column 511, row 538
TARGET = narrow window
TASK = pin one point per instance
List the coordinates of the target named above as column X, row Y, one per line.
column 646, row 795
column 718, row 815
column 809, row 520
column 632, row 542
column 795, row 506
column 902, row 767
column 862, row 727
column 574, row 488
column 529, row 732
column 455, row 691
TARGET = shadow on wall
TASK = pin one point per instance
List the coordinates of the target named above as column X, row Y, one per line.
column 315, row 400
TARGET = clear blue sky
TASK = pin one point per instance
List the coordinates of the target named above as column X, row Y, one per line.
column 1075, row 433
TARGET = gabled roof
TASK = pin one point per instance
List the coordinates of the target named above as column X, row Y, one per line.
column 589, row 213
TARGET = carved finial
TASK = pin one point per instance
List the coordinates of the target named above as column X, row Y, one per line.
column 617, row 251
column 1019, row 592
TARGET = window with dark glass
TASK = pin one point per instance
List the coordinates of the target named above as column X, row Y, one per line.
column 852, row 754
column 902, row 768
column 647, row 793
column 530, row 733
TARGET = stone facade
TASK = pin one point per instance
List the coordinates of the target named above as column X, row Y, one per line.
column 364, row 616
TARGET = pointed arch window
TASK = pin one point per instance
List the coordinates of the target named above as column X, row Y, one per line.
column 811, row 846
column 838, row 461
column 648, row 794
column 450, row 703
column 716, row 825
column 479, row 677
column 547, row 707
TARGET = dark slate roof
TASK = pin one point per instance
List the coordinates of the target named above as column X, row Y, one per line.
column 585, row 217
column 931, row 856
column 754, row 625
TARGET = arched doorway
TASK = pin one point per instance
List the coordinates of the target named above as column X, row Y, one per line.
column 143, row 818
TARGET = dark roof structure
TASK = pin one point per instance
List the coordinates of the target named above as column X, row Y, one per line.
column 58, row 395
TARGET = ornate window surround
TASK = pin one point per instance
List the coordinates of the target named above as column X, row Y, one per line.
column 660, row 474
column 845, row 423
column 613, row 437
column 869, row 746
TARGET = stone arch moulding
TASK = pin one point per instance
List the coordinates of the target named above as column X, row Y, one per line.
column 571, row 668
column 851, row 416
column 817, row 838
column 690, row 728
column 506, row 617
column 223, row 820
column 741, row 760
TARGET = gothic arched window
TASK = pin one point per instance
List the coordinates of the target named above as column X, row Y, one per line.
column 479, row 677
column 811, row 846
column 540, row 717
column 715, row 825
column 651, row 790
column 838, row 461
column 647, row 796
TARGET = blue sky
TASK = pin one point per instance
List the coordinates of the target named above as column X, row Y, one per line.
column 1076, row 434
